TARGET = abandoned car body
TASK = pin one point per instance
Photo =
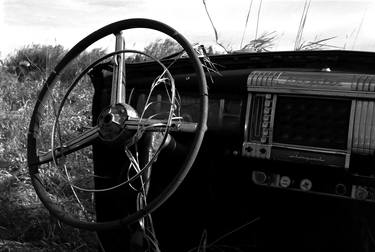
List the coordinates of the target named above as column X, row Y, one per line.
column 286, row 161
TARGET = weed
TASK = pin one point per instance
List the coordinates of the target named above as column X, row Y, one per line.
column 25, row 224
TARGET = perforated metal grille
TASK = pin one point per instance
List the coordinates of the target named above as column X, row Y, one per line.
column 256, row 113
column 310, row 121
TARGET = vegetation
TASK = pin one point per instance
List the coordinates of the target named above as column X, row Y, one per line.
column 25, row 225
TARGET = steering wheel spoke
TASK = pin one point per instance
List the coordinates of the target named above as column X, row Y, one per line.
column 80, row 142
column 161, row 125
column 118, row 92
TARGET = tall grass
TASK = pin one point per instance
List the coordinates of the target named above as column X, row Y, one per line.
column 263, row 43
column 25, row 225
column 301, row 27
column 246, row 23
column 259, row 44
column 358, row 30
column 316, row 44
column 258, row 18
column 266, row 41
column 214, row 28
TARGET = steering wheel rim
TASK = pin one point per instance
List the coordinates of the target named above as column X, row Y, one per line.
column 33, row 158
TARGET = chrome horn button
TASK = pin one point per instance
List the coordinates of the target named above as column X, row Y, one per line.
column 112, row 121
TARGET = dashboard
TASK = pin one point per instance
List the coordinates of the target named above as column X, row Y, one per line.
column 290, row 143
column 309, row 117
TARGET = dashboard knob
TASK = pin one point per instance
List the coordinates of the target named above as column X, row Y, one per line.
column 305, row 184
column 259, row 177
column 361, row 193
column 340, row 189
column 285, row 181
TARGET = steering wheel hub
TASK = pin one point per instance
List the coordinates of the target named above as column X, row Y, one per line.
column 112, row 122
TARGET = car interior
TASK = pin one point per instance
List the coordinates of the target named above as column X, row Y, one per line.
column 238, row 152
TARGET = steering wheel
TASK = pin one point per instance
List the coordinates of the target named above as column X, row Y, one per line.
column 52, row 150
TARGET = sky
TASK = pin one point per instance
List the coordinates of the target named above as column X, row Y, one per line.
column 66, row 22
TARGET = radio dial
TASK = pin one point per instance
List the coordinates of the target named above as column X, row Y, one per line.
column 361, row 193
column 305, row 184
column 259, row 177
column 285, row 181
column 340, row 189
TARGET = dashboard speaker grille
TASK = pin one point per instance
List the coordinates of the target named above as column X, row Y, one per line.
column 311, row 121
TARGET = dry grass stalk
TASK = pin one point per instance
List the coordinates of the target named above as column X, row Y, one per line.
column 246, row 22
column 317, row 44
column 302, row 23
column 258, row 17
column 264, row 43
column 213, row 27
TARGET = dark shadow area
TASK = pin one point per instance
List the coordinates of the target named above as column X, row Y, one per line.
column 26, row 225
